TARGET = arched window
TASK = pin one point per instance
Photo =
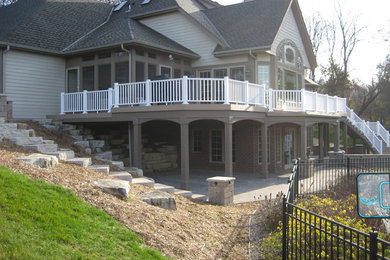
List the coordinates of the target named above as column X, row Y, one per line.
column 290, row 69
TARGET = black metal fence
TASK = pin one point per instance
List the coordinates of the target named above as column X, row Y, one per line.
column 307, row 235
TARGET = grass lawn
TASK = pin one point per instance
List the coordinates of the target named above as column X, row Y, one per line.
column 42, row 221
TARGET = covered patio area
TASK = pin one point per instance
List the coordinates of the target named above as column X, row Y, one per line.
column 248, row 187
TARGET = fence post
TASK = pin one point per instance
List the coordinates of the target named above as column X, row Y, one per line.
column 348, row 166
column 116, row 95
column 226, row 85
column 147, row 92
column 373, row 245
column 246, row 93
column 270, row 100
column 326, row 103
column 284, row 231
column 184, row 90
column 62, row 103
column 85, row 102
column 303, row 100
column 109, row 101
column 296, row 177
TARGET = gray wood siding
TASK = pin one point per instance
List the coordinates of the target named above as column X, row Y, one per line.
column 289, row 30
column 34, row 83
column 189, row 34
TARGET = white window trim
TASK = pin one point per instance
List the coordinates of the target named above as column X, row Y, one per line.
column 222, row 149
column 201, row 71
column 164, row 66
column 285, row 55
column 228, row 68
column 78, row 78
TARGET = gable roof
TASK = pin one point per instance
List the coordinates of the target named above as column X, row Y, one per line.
column 252, row 24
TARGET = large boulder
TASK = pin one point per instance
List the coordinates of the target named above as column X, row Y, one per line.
column 40, row 160
column 160, row 199
column 117, row 188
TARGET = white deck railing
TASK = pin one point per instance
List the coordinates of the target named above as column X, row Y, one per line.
column 217, row 91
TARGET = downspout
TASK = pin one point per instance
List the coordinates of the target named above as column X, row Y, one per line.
column 2, row 90
column 130, row 61
column 129, row 127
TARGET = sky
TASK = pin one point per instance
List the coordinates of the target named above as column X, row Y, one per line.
column 371, row 15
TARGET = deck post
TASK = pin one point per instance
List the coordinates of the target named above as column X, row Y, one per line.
column 345, row 137
column 246, row 92
column 109, row 101
column 270, row 100
column 226, row 85
column 303, row 100
column 62, row 103
column 303, row 141
column 337, row 136
column 116, row 95
column 264, row 153
column 147, row 92
column 228, row 149
column 85, row 107
column 137, row 143
column 184, row 153
column 184, row 90
column 326, row 103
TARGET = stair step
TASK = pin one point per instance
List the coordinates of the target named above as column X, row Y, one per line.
column 77, row 137
column 74, row 132
column 2, row 120
column 63, row 154
column 100, row 168
column 9, row 126
column 199, row 197
column 42, row 148
column 125, row 176
column 83, row 144
column 67, row 127
column 184, row 193
column 144, row 181
column 25, row 140
column 48, row 141
column 163, row 187
column 104, row 155
column 51, row 127
column 82, row 161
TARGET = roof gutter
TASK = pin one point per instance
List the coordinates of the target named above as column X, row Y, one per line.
column 241, row 51
column 252, row 55
column 7, row 49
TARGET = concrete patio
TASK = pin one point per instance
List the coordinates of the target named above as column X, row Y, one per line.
column 247, row 187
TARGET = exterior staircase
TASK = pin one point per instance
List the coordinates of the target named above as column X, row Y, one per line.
column 27, row 138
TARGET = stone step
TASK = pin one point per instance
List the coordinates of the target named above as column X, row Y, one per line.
column 100, row 168
column 135, row 171
column 42, row 148
column 51, row 127
column 2, row 120
column 122, row 176
column 48, row 141
column 8, row 126
column 184, row 193
column 63, row 154
column 96, row 143
column 104, row 156
column 199, row 197
column 82, row 161
column 24, row 140
column 163, row 187
column 67, row 127
column 77, row 137
column 83, row 144
column 74, row 132
column 144, row 181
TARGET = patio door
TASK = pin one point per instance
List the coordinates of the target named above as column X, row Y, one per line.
column 289, row 147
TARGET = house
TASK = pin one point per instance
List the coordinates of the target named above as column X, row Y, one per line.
column 231, row 94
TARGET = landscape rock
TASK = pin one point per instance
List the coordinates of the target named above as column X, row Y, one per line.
column 135, row 171
column 40, row 160
column 160, row 199
column 117, row 188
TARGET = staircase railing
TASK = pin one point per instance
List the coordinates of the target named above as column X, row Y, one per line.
column 381, row 131
column 364, row 127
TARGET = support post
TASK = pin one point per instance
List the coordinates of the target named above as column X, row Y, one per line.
column 109, row 101
column 228, row 149
column 130, row 136
column 147, row 92
column 184, row 152
column 184, row 90
column 116, row 95
column 264, row 152
column 85, row 100
column 336, row 130
column 226, row 85
column 321, row 141
column 62, row 103
column 345, row 137
column 303, row 141
column 137, row 144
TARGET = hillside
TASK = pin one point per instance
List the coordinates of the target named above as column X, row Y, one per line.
column 194, row 231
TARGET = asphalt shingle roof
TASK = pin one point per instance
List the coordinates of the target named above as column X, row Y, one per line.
column 249, row 24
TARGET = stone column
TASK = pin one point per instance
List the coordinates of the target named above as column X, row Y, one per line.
column 321, row 141
column 228, row 149
column 336, row 130
column 130, row 136
column 264, row 152
column 137, row 144
column 326, row 139
column 184, row 153
column 303, row 141
column 345, row 138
